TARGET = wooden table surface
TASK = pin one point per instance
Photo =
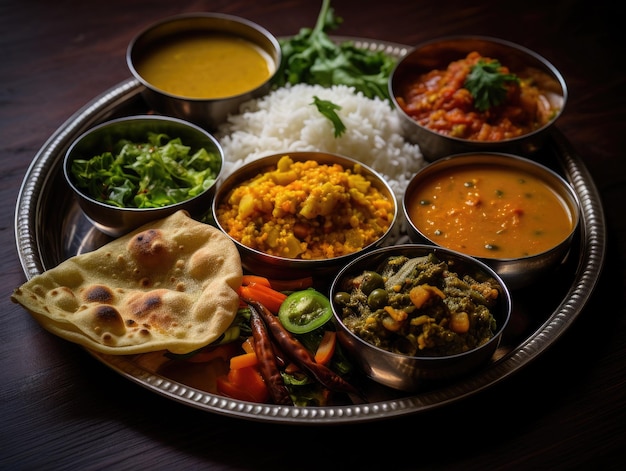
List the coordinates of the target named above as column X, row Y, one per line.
column 62, row 409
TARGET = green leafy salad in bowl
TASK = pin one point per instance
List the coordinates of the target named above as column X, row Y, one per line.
column 151, row 174
column 133, row 170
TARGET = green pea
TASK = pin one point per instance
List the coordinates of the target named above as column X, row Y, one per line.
column 342, row 298
column 371, row 280
column 378, row 298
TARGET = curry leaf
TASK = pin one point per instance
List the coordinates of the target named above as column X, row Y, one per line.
column 329, row 109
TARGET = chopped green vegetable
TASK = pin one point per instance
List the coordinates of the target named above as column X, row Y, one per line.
column 486, row 82
column 312, row 57
column 151, row 174
column 328, row 109
column 304, row 311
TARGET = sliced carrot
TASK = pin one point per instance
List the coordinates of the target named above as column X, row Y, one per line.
column 245, row 384
column 268, row 297
column 292, row 285
column 261, row 280
column 326, row 348
column 243, row 361
column 248, row 345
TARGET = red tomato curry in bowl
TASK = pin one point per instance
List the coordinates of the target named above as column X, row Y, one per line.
column 457, row 101
column 473, row 93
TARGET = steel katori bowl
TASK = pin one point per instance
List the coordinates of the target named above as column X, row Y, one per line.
column 212, row 111
column 280, row 267
column 520, row 271
column 412, row 372
column 105, row 137
column 437, row 54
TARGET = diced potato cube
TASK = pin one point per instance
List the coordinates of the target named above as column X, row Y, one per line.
column 246, row 205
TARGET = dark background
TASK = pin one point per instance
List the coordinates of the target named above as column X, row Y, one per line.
column 61, row 409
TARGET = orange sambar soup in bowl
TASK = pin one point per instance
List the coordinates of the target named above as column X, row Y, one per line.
column 490, row 211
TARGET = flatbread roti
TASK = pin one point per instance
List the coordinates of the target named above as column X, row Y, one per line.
column 169, row 285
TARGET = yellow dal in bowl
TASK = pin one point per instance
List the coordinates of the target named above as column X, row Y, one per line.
column 206, row 65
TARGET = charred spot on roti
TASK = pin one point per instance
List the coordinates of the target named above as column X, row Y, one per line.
column 155, row 309
column 149, row 249
column 106, row 314
column 145, row 282
column 143, row 304
column 107, row 318
column 98, row 294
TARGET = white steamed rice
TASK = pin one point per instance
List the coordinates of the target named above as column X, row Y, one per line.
column 286, row 120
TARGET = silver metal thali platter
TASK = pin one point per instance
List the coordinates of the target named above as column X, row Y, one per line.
column 49, row 228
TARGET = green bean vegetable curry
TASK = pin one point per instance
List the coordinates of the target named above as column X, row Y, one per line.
column 419, row 307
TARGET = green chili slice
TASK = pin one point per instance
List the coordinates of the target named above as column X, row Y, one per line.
column 304, row 311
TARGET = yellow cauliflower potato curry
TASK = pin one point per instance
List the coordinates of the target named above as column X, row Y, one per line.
column 307, row 210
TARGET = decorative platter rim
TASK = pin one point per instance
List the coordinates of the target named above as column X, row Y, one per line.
column 30, row 226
